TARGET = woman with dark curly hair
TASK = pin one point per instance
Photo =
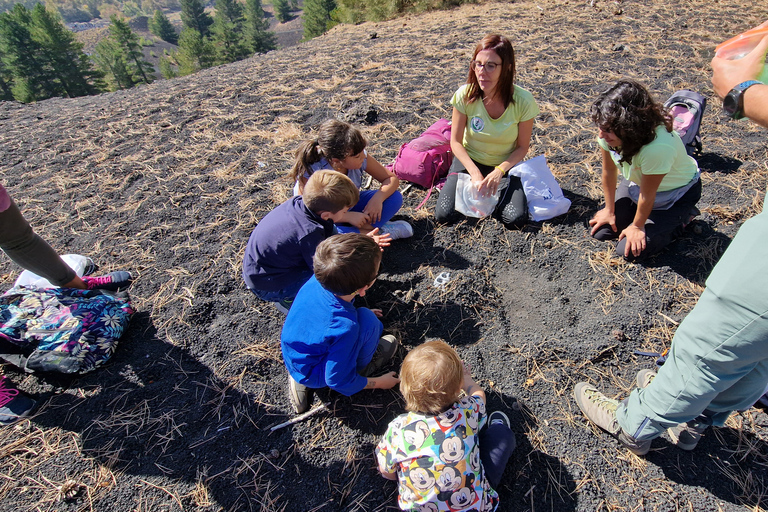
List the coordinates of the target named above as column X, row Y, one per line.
column 659, row 184
column 491, row 131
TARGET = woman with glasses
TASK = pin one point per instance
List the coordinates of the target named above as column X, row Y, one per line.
column 658, row 183
column 491, row 131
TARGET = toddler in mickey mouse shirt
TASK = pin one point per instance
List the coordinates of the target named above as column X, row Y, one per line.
column 439, row 452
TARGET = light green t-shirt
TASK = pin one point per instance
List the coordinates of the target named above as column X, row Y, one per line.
column 490, row 141
column 663, row 155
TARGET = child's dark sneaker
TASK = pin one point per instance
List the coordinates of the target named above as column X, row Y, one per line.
column 498, row 417
column 300, row 395
column 384, row 351
column 284, row 305
column 112, row 281
column 14, row 404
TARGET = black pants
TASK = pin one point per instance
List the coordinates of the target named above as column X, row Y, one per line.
column 662, row 226
column 512, row 209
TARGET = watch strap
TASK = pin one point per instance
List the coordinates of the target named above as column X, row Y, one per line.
column 737, row 95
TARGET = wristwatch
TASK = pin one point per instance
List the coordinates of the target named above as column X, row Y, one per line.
column 733, row 103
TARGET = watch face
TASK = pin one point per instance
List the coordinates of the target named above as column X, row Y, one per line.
column 731, row 102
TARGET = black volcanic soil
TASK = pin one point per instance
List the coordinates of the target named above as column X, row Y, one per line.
column 168, row 180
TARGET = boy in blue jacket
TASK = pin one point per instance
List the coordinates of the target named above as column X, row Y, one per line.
column 327, row 341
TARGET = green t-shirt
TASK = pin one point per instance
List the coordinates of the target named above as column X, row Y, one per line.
column 490, row 141
column 663, row 155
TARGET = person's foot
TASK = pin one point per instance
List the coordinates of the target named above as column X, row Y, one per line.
column 691, row 215
column 684, row 436
column 284, row 305
column 112, row 281
column 385, row 350
column 300, row 395
column 90, row 267
column 14, row 404
column 396, row 229
column 498, row 418
column 644, row 377
column 601, row 411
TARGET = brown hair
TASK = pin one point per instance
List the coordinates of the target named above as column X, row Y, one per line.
column 629, row 111
column 506, row 88
column 335, row 139
column 345, row 263
column 329, row 191
column 431, row 377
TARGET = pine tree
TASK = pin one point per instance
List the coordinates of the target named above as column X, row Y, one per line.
column 195, row 52
column 162, row 28
column 228, row 32
column 6, row 81
column 23, row 57
column 317, row 17
column 256, row 34
column 69, row 66
column 166, row 67
column 282, row 10
column 110, row 59
column 193, row 16
column 122, row 34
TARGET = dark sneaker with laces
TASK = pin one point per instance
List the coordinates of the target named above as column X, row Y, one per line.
column 685, row 436
column 14, row 404
column 601, row 411
column 112, row 281
column 300, row 395
column 498, row 417
column 384, row 351
column 284, row 305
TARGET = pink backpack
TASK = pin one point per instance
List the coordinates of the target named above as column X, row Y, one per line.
column 426, row 159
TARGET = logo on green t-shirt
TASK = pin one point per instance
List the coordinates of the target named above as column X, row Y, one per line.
column 477, row 124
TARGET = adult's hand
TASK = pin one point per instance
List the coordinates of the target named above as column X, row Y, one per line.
column 726, row 74
column 635, row 240
column 490, row 183
column 603, row 217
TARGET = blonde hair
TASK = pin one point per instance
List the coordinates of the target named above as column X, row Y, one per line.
column 431, row 377
column 330, row 191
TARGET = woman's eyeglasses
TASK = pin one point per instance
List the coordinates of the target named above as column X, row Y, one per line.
column 490, row 67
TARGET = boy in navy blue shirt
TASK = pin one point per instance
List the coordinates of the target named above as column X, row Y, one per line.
column 278, row 257
column 327, row 341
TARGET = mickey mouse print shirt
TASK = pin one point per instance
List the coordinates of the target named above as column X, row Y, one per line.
column 437, row 459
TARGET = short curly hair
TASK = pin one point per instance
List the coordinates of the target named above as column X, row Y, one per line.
column 629, row 111
column 431, row 377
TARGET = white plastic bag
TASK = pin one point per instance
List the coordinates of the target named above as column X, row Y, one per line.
column 75, row 261
column 470, row 202
column 545, row 197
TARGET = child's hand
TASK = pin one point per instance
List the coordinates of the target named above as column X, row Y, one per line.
column 378, row 313
column 388, row 380
column 357, row 219
column 373, row 209
column 382, row 240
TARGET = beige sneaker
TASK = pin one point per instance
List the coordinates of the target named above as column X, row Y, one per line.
column 601, row 410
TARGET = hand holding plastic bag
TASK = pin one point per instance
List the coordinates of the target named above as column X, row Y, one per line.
column 470, row 201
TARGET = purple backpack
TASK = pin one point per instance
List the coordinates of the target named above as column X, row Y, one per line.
column 687, row 109
column 426, row 159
